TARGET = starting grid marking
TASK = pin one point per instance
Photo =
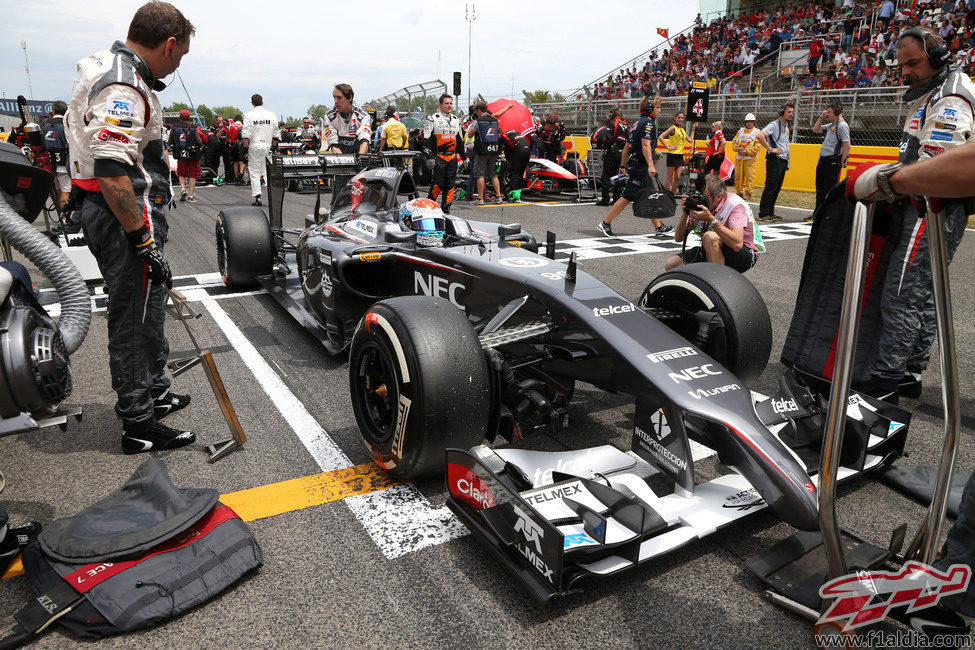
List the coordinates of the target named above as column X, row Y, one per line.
column 597, row 247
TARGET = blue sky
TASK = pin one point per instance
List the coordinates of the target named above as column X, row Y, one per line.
column 295, row 54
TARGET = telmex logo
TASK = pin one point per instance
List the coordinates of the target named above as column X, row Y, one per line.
column 670, row 355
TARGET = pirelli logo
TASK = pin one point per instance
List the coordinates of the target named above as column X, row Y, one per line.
column 670, row 355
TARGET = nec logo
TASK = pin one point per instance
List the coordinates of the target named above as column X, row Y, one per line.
column 694, row 372
column 613, row 309
column 438, row 287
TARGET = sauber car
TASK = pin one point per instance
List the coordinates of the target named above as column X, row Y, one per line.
column 485, row 336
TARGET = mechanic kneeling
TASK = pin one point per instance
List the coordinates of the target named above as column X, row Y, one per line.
column 726, row 226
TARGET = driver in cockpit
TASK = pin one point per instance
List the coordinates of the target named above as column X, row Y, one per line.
column 426, row 219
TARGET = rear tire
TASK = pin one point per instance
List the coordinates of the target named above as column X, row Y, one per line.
column 746, row 342
column 244, row 246
column 418, row 382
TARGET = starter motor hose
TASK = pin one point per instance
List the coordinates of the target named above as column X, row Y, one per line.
column 56, row 267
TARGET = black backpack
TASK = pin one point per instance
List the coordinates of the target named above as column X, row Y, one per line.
column 185, row 146
column 486, row 139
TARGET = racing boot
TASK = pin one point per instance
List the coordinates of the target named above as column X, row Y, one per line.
column 168, row 402
column 157, row 437
column 257, row 200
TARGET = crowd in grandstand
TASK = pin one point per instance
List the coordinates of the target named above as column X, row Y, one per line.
column 850, row 46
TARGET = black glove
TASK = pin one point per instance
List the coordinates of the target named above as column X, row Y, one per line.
column 153, row 257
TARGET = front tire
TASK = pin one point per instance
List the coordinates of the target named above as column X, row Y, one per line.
column 418, row 383
column 244, row 246
column 744, row 345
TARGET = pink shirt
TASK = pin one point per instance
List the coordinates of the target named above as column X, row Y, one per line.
column 733, row 212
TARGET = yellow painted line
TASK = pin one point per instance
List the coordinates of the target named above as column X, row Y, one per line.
column 300, row 493
column 295, row 494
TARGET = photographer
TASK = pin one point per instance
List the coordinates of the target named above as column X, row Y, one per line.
column 726, row 226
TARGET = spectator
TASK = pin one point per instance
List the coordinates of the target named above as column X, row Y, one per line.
column 835, row 152
column 778, row 133
column 187, row 148
column 885, row 14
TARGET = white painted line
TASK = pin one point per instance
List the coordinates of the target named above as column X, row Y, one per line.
column 400, row 520
column 323, row 449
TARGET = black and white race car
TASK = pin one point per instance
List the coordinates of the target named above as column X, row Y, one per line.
column 486, row 337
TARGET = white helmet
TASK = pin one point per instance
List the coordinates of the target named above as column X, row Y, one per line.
column 750, row 117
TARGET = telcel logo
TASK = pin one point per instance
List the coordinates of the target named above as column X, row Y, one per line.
column 613, row 309
column 784, row 405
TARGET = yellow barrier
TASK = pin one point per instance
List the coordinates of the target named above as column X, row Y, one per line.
column 803, row 159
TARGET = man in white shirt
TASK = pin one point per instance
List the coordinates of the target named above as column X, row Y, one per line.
column 260, row 132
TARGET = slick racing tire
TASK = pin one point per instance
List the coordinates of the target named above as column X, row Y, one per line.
column 744, row 344
column 418, row 382
column 244, row 248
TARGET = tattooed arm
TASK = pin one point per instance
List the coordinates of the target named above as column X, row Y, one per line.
column 120, row 197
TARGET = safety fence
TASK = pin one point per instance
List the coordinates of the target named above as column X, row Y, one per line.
column 876, row 115
column 421, row 97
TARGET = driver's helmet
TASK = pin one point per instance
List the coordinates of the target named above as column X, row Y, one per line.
column 426, row 219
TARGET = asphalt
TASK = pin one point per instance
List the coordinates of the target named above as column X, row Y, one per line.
column 327, row 577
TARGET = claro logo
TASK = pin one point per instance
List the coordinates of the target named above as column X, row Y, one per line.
column 432, row 285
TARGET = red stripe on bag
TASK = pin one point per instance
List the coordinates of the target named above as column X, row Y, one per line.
column 91, row 575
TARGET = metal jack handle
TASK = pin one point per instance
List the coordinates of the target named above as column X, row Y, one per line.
column 183, row 314
column 925, row 545
column 849, row 326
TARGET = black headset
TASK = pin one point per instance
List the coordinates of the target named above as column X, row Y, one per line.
column 939, row 54
column 788, row 104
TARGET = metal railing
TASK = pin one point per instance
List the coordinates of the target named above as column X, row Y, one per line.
column 410, row 97
column 876, row 115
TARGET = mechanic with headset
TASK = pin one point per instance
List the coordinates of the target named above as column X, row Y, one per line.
column 778, row 134
column 348, row 126
column 307, row 135
column 260, row 134
column 940, row 118
column 443, row 135
column 835, row 152
column 57, row 144
column 726, row 226
column 116, row 154
column 517, row 152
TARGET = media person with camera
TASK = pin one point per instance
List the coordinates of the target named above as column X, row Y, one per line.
column 726, row 226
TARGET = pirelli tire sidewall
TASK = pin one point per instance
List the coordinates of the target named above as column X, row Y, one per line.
column 746, row 338
column 440, row 379
column 245, row 250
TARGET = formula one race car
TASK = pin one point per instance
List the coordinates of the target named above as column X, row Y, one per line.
column 484, row 337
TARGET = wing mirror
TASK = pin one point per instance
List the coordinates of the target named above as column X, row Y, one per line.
column 509, row 230
column 404, row 237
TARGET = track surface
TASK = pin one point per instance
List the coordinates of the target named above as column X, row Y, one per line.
column 391, row 567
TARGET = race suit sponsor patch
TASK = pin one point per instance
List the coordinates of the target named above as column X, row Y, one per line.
column 933, row 150
column 942, row 136
column 117, row 122
column 119, row 108
column 945, row 126
column 111, row 136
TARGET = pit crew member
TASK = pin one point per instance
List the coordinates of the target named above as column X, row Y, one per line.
column 444, row 138
column 347, row 129
column 941, row 117
column 116, row 157
column 260, row 133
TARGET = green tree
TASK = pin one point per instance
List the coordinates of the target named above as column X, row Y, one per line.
column 317, row 111
column 227, row 111
column 205, row 114
column 175, row 107
column 292, row 121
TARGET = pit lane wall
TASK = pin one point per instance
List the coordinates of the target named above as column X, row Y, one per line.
column 803, row 160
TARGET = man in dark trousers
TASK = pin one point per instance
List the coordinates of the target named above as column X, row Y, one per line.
column 551, row 134
column 517, row 153
column 612, row 141
column 445, row 140
column 116, row 154
column 778, row 134
column 835, row 152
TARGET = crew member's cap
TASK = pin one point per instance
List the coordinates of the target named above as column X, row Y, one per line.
column 185, row 114
column 750, row 117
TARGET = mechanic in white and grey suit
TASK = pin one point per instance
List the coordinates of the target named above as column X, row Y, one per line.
column 260, row 133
